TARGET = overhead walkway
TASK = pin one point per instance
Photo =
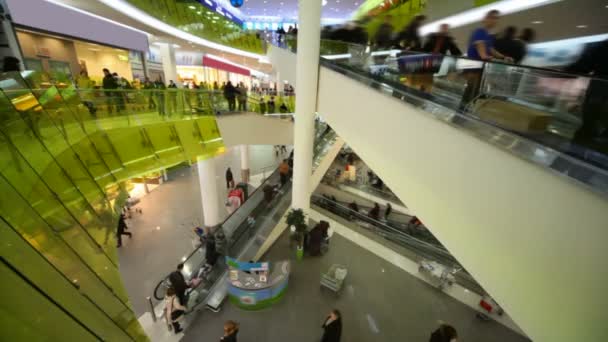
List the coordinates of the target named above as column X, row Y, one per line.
column 527, row 221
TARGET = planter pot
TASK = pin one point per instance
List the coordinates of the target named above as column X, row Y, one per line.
column 300, row 253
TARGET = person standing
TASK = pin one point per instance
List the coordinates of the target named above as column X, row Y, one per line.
column 172, row 90
column 506, row 44
column 159, row 85
column 109, row 84
column 441, row 42
column 179, row 284
column 409, row 37
column 173, row 310
column 230, row 95
column 121, row 230
column 332, row 327
column 148, row 88
column 242, row 96
column 384, row 35
column 481, row 43
column 388, row 210
column 526, row 37
column 374, row 213
column 231, row 329
column 284, row 172
column 481, row 47
column 229, row 179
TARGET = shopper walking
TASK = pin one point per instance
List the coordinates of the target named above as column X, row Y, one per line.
column 231, row 329
column 332, row 327
column 174, row 310
column 229, row 179
column 121, row 230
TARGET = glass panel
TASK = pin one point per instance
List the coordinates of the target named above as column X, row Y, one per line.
column 27, row 315
column 33, row 266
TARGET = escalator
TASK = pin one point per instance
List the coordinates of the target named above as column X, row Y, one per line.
column 519, row 208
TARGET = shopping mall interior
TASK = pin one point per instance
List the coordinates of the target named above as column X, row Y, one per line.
column 303, row 170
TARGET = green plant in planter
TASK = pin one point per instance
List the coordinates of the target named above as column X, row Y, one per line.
column 296, row 218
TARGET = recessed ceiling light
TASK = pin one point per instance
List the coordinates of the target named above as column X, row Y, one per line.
column 537, row 22
column 581, row 26
column 191, row 7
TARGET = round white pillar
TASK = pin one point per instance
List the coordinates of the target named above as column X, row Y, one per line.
column 307, row 74
column 209, row 194
column 244, row 163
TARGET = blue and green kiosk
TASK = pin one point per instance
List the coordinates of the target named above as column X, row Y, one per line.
column 256, row 285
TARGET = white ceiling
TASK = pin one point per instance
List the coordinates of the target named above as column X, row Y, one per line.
column 288, row 9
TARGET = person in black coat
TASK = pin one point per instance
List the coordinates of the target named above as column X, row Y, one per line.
column 441, row 42
column 332, row 327
column 409, row 37
column 229, row 179
column 121, row 230
column 178, row 282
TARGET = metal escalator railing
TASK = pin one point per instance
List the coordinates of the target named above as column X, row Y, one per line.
column 239, row 229
column 414, row 241
column 545, row 116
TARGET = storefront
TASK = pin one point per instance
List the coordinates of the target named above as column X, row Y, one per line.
column 197, row 68
column 70, row 59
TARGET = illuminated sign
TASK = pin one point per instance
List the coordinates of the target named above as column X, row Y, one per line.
column 216, row 7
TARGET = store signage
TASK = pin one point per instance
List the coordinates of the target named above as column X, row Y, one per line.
column 43, row 52
column 215, row 6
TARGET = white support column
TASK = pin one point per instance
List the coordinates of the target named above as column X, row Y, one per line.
column 167, row 55
column 165, row 175
column 245, row 163
column 209, row 193
column 307, row 76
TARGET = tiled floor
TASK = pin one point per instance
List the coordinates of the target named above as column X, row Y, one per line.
column 163, row 235
column 379, row 303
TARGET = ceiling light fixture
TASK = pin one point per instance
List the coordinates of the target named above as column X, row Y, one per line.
column 191, row 7
column 581, row 26
column 536, row 22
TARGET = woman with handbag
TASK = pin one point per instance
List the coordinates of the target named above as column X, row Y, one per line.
column 173, row 310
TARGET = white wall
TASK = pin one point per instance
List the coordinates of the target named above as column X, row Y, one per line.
column 283, row 62
column 534, row 240
column 255, row 129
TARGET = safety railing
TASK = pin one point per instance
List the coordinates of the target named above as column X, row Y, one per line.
column 549, row 117
column 404, row 238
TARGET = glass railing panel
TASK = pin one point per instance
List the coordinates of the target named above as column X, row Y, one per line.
column 165, row 142
column 21, row 255
column 57, row 238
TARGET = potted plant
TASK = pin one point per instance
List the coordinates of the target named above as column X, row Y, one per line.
column 297, row 221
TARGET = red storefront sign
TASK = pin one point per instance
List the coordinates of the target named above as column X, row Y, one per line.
column 216, row 64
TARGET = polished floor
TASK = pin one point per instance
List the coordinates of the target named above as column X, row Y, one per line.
column 380, row 302
column 162, row 234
